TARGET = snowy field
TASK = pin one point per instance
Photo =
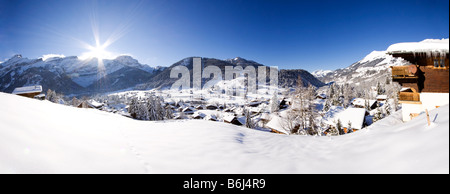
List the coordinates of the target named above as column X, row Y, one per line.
column 43, row 137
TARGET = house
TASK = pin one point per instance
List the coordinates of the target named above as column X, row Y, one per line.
column 210, row 118
column 321, row 96
column 91, row 104
column 276, row 125
column 40, row 97
column 233, row 120
column 188, row 110
column 352, row 119
column 361, row 103
column 211, row 107
column 381, row 98
column 198, row 115
column 426, row 79
column 28, row 91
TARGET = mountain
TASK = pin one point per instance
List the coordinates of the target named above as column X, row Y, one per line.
column 286, row 78
column 372, row 68
column 320, row 73
column 70, row 75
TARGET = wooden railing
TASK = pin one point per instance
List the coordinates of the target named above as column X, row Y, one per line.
column 403, row 71
column 409, row 96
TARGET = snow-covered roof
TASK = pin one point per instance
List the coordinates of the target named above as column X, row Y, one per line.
column 362, row 102
column 354, row 115
column 28, row 89
column 229, row 118
column 95, row 104
column 381, row 97
column 427, row 46
column 276, row 123
column 199, row 114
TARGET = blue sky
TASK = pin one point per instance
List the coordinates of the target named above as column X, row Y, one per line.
column 297, row 34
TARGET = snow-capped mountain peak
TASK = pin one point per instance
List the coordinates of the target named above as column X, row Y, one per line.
column 374, row 55
column 320, row 73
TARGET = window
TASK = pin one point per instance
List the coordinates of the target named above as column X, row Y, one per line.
column 436, row 63
column 442, row 63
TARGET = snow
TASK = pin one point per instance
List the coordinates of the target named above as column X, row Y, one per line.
column 320, row 73
column 427, row 45
column 52, row 56
column 43, row 137
column 353, row 115
column 374, row 55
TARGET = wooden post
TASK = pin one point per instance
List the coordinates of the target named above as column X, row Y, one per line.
column 428, row 117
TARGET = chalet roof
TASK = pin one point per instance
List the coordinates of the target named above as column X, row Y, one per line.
column 95, row 104
column 381, row 97
column 28, row 89
column 229, row 118
column 425, row 46
column 354, row 115
column 362, row 102
column 276, row 123
column 198, row 115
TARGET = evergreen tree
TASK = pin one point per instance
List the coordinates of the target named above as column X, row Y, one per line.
column 378, row 115
column 248, row 119
column 349, row 127
column 274, row 104
column 339, row 127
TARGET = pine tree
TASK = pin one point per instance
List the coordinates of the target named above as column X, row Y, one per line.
column 248, row 119
column 133, row 107
column 274, row 104
column 75, row 101
column 339, row 127
column 378, row 115
column 387, row 107
column 349, row 127
column 326, row 106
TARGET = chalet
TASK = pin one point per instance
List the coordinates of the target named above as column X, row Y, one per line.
column 352, row 119
column 28, row 91
column 211, row 107
column 321, row 96
column 90, row 104
column 276, row 125
column 198, row 115
column 233, row 120
column 188, row 110
column 40, row 97
column 381, row 98
column 425, row 81
column 361, row 103
column 210, row 118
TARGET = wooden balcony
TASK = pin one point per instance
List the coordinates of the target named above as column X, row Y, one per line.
column 409, row 96
column 404, row 72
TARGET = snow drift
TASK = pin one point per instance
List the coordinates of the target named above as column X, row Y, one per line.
column 42, row 137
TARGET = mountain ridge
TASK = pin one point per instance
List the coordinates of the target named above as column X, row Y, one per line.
column 71, row 75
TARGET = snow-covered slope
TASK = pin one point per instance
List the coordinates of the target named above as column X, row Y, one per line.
column 372, row 68
column 42, row 137
column 375, row 66
column 320, row 73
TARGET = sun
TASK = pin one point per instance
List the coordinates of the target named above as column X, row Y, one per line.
column 98, row 51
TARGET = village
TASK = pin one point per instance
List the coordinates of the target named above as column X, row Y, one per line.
column 334, row 109
column 324, row 112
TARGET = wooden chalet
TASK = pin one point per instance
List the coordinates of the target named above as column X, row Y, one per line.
column 90, row 104
column 425, row 81
column 28, row 91
column 233, row 120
